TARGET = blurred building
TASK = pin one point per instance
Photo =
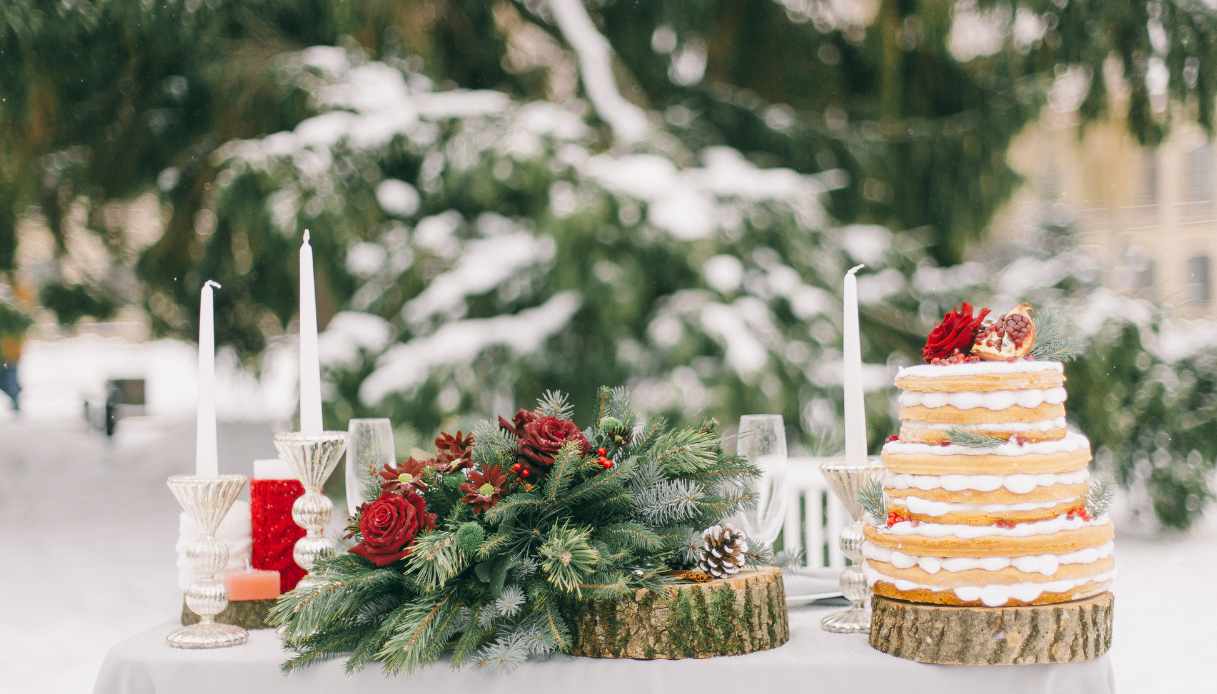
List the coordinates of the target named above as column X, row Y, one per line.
column 1149, row 214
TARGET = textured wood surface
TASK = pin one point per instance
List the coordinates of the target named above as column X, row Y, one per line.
column 741, row 614
column 1061, row 633
column 250, row 614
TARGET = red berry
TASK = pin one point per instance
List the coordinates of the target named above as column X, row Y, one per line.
column 601, row 452
column 516, row 467
column 1004, row 524
column 893, row 437
column 606, row 464
column 525, row 473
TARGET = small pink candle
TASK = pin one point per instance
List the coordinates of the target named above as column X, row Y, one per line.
column 252, row 584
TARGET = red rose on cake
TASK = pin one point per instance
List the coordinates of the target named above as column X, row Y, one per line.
column 955, row 334
column 389, row 524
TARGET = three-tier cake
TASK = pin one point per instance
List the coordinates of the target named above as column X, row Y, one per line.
column 986, row 494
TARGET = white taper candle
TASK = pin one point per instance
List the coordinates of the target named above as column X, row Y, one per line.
column 855, row 409
column 206, row 461
column 310, row 365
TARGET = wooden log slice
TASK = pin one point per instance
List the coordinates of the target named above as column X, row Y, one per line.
column 1060, row 633
column 741, row 614
column 251, row 614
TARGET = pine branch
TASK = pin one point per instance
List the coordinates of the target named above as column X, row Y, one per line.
column 567, row 557
column 670, row 501
column 972, row 439
column 685, row 452
column 630, row 535
column 434, row 559
column 494, row 544
column 493, row 446
column 562, row 472
column 873, row 501
column 555, row 403
column 1099, row 496
column 419, row 635
column 344, row 584
column 1054, row 339
column 512, row 507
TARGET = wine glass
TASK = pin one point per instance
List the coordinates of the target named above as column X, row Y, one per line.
column 370, row 447
column 762, row 441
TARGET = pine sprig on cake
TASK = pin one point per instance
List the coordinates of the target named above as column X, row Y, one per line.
column 517, row 528
column 1054, row 340
column 1098, row 497
column 873, row 501
column 972, row 439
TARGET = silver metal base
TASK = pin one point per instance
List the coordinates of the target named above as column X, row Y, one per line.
column 852, row 620
column 207, row 636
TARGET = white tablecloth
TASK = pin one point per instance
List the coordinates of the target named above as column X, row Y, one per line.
column 813, row 661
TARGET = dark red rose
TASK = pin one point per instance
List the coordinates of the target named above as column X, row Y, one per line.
column 388, row 526
column 545, row 435
column 955, row 334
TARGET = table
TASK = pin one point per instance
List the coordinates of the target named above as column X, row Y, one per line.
column 813, row 661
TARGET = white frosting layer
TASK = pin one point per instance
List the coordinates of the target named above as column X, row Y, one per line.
column 992, row 595
column 1044, row 527
column 1073, row 441
column 980, row 367
column 1041, row 425
column 990, row 400
column 1018, row 484
column 1046, row 564
column 929, row 507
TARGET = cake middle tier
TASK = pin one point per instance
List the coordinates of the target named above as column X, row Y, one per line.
column 1022, row 400
column 1068, row 454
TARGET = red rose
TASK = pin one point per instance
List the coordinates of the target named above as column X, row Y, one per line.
column 388, row 526
column 544, row 436
column 956, row 332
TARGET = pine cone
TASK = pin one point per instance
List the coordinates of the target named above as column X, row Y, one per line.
column 723, row 552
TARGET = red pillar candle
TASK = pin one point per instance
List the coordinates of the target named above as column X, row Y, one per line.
column 272, row 491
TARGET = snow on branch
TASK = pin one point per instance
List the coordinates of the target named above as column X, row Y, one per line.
column 594, row 53
column 406, row 365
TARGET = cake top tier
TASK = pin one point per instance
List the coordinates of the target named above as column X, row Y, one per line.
column 977, row 368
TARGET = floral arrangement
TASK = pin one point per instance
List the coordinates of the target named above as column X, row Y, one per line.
column 963, row 336
column 483, row 551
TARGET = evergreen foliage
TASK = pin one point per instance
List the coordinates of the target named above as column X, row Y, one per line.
column 973, row 439
column 492, row 589
column 873, row 501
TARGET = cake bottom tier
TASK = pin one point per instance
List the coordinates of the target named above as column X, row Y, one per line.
column 990, row 596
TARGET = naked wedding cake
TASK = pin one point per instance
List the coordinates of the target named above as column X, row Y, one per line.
column 986, row 496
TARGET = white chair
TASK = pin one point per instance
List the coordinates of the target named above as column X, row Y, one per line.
column 814, row 517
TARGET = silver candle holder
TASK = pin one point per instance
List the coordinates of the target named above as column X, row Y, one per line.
column 207, row 500
column 846, row 480
column 312, row 458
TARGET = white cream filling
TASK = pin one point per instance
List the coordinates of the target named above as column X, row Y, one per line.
column 992, row 595
column 1073, row 441
column 966, row 532
column 980, row 367
column 1041, row 425
column 929, row 507
column 990, row 400
column 1046, row 564
column 1018, row 484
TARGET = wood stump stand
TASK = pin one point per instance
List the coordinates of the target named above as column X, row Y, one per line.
column 1062, row 633
column 741, row 614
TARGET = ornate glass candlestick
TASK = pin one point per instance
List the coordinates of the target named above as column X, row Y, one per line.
column 846, row 480
column 312, row 458
column 207, row 500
